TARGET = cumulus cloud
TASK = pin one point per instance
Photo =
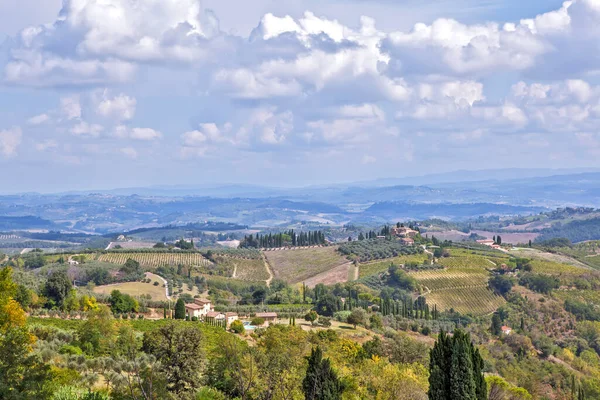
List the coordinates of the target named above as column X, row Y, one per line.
column 38, row 119
column 10, row 139
column 86, row 129
column 144, row 134
column 118, row 108
column 129, row 152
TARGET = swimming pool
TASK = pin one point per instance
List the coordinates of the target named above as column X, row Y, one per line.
column 248, row 325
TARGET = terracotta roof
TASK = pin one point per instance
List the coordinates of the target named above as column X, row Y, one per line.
column 506, row 328
column 267, row 315
column 193, row 306
column 213, row 314
column 230, row 314
column 201, row 302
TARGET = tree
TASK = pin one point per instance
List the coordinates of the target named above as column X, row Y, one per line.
column 57, row 288
column 501, row 284
column 131, row 267
column 179, row 351
column 321, row 381
column 311, row 316
column 97, row 333
column 496, row 327
column 357, row 317
column 180, row 309
column 121, row 303
column 22, row 375
column 456, row 369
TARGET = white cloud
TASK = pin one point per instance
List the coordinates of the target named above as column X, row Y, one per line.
column 86, row 129
column 367, row 159
column 10, row 139
column 119, row 108
column 144, row 134
column 46, row 145
column 71, row 107
column 129, row 152
column 38, row 119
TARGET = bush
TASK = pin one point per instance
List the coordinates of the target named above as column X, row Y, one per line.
column 257, row 321
column 311, row 316
column 238, row 327
column 68, row 349
column 426, row 330
column 156, row 283
column 325, row 322
column 194, row 318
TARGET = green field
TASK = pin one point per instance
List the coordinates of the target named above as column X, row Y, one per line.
column 135, row 289
column 376, row 267
column 440, row 279
column 244, row 269
column 295, row 266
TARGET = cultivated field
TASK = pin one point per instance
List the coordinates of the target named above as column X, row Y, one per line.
column 245, row 269
column 295, row 266
column 340, row 274
column 474, row 300
column 157, row 259
column 442, row 279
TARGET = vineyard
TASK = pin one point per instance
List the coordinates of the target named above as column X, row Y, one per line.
column 469, row 260
column 156, row 259
column 474, row 300
column 252, row 269
column 442, row 279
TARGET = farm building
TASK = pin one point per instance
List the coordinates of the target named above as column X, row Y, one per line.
column 404, row 232
column 506, row 330
column 407, row 241
column 230, row 317
column 215, row 316
column 205, row 306
column 194, row 310
column 267, row 316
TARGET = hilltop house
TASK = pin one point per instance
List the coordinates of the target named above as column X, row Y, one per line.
column 407, row 241
column 506, row 330
column 487, row 242
column 214, row 316
column 230, row 317
column 404, row 232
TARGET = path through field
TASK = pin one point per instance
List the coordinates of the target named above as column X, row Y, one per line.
column 234, row 274
column 150, row 275
column 268, row 267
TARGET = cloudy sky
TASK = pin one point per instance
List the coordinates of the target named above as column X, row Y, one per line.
column 114, row 93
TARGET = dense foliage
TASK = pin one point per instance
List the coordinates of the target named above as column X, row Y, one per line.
column 376, row 249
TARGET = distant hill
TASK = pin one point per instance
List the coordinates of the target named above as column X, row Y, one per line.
column 26, row 222
column 400, row 210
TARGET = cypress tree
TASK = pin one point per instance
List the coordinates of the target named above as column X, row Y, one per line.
column 439, row 383
column 496, row 327
column 462, row 381
column 180, row 309
column 164, row 312
column 321, row 381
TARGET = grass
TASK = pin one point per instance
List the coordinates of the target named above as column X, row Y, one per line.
column 135, row 289
column 587, row 296
column 556, row 268
column 245, row 269
column 295, row 266
column 155, row 259
column 376, row 267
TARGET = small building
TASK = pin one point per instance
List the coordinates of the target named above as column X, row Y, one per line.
column 193, row 310
column 404, row 232
column 407, row 241
column 486, row 242
column 214, row 316
column 205, row 306
column 267, row 316
column 506, row 330
column 230, row 317
column 73, row 262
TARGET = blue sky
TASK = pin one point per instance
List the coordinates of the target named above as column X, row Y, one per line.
column 111, row 93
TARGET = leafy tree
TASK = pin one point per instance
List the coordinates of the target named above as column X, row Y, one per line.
column 357, row 317
column 97, row 333
column 257, row 321
column 180, row 309
column 321, row 381
column 22, row 375
column 501, row 284
column 311, row 316
column 179, row 350
column 327, row 305
column 121, row 303
column 57, row 288
column 539, row 282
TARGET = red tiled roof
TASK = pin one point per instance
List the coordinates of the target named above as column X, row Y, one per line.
column 231, row 314
column 193, row 306
column 267, row 315
column 506, row 328
column 213, row 314
column 201, row 302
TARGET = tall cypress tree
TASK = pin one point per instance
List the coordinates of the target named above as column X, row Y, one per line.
column 456, row 369
column 321, row 381
column 180, row 309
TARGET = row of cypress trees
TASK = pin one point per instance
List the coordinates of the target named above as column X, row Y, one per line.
column 287, row 238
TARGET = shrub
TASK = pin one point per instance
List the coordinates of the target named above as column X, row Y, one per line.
column 238, row 327
column 194, row 318
column 426, row 330
column 257, row 321
column 69, row 349
column 325, row 321
column 156, row 283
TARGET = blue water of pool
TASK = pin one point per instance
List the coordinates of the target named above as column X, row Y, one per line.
column 248, row 325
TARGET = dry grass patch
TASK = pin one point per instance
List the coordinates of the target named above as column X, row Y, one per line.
column 295, row 266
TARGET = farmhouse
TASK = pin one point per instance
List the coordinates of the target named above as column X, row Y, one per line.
column 194, row 310
column 267, row 316
column 230, row 317
column 506, row 330
column 404, row 232
column 407, row 241
column 215, row 316
column 205, row 306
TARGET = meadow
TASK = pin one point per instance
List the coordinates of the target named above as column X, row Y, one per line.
column 295, row 266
